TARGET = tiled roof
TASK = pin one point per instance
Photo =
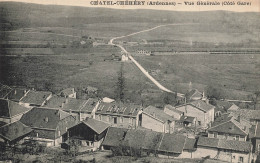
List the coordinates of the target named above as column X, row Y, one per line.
column 96, row 125
column 118, row 109
column 189, row 144
column 43, row 118
column 14, row 131
column 172, row 143
column 9, row 108
column 233, row 107
column 234, row 145
column 202, row 105
column 71, row 104
column 35, row 97
column 173, row 109
column 193, row 94
column 114, row 136
column 248, row 114
column 158, row 113
column 16, row 94
column 67, row 91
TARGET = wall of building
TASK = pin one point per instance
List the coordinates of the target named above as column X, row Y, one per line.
column 172, row 113
column 63, row 126
column 152, row 123
column 122, row 121
column 186, row 154
column 205, row 151
column 194, row 112
column 233, row 156
column 227, row 136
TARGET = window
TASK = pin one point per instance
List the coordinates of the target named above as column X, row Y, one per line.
column 108, row 118
column 115, row 120
column 226, row 136
column 199, row 123
column 241, row 159
column 37, row 134
column 215, row 135
column 234, row 157
column 58, row 133
column 66, row 129
column 237, row 137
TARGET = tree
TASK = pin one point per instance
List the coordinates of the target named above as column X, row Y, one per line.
column 213, row 92
column 120, row 85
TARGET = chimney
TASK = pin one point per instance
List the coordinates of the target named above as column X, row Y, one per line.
column 15, row 92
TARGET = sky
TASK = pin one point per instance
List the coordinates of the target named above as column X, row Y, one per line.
column 253, row 7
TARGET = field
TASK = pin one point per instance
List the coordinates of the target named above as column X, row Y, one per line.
column 237, row 74
column 42, row 51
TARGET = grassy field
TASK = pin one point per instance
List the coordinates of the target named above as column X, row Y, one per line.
column 237, row 74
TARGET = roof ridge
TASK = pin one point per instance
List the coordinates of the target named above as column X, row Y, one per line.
column 219, row 124
column 161, row 141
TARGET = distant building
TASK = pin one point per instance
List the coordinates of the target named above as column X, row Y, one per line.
column 14, row 133
column 79, row 108
column 202, row 111
column 91, row 90
column 35, row 98
column 229, row 128
column 11, row 111
column 68, row 93
column 144, row 52
column 89, row 132
column 252, row 115
column 118, row 114
column 170, row 110
column 233, row 107
column 50, row 125
column 225, row 150
column 187, row 121
column 193, row 95
column 157, row 120
column 146, row 142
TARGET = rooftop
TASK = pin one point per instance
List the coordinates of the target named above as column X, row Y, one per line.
column 36, row 97
column 9, row 109
column 96, row 125
column 67, row 92
column 43, row 117
column 173, row 109
column 241, row 146
column 118, row 109
column 158, row 113
column 14, row 131
column 16, row 94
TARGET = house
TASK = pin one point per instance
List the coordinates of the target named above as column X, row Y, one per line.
column 225, row 150
column 193, row 95
column 201, row 110
column 17, row 94
column 229, row 128
column 170, row 110
column 146, row 142
column 50, row 125
column 157, row 120
column 252, row 115
column 79, row 108
column 68, row 93
column 89, row 132
column 233, row 107
column 14, row 133
column 11, row 111
column 120, row 115
column 35, row 98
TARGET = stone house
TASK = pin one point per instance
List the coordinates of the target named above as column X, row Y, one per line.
column 68, row 93
column 225, row 150
column 14, row 133
column 202, row 111
column 157, row 120
column 170, row 110
column 120, row 115
column 50, row 125
column 89, row 132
